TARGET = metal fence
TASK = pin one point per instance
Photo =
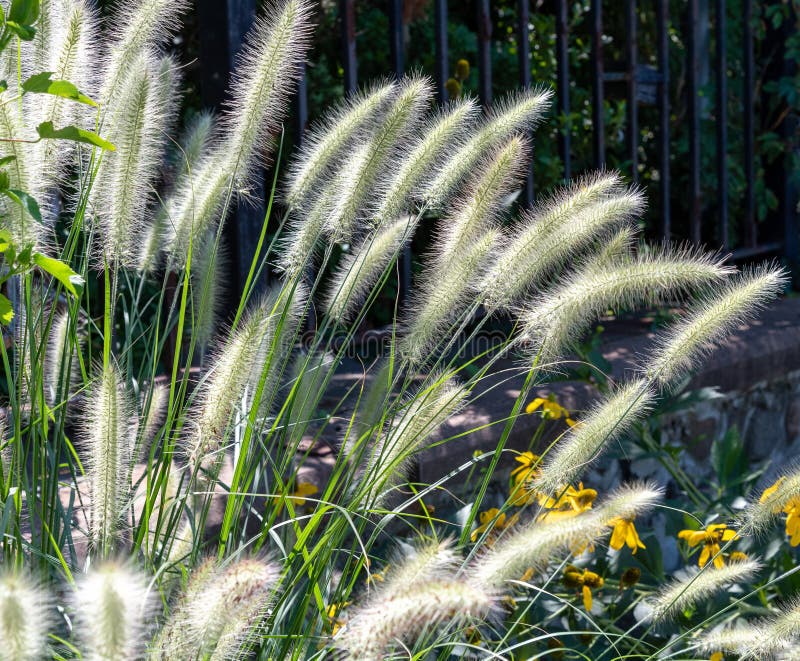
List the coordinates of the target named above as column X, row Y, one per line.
column 778, row 235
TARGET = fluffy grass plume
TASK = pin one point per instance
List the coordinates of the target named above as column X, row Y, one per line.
column 584, row 443
column 113, row 608
column 139, row 26
column 710, row 320
column 266, row 73
column 560, row 230
column 352, row 119
column 142, row 112
column 61, row 373
column 24, row 619
column 109, row 438
column 404, row 616
column 480, row 207
column 629, row 501
column 559, row 316
column 209, row 265
column 442, row 298
column 357, row 273
column 354, row 185
column 703, row 584
column 439, row 138
column 386, row 462
column 221, row 610
column 258, row 343
column 516, row 113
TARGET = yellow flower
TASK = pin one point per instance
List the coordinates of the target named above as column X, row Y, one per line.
column 493, row 520
column 298, row 496
column 527, row 576
column 551, row 409
column 520, row 493
column 586, row 580
column 717, row 656
column 378, row 576
column 792, row 511
column 711, row 538
column 331, row 612
column 624, row 534
column 570, row 503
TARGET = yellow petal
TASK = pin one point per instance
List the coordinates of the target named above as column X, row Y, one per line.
column 770, row 490
column 717, row 656
column 618, row 536
column 587, row 598
column 704, row 556
column 535, row 404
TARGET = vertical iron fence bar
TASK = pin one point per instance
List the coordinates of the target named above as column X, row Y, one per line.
column 484, row 53
column 562, row 84
column 396, row 36
column 347, row 15
column 396, row 41
column 662, row 28
column 632, row 102
column 693, row 107
column 524, row 60
column 748, row 126
column 442, row 69
column 598, row 111
column 722, row 123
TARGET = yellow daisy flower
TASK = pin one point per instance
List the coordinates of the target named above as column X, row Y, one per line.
column 624, row 534
column 586, row 580
column 711, row 538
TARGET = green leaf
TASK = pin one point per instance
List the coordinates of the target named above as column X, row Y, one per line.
column 5, row 240
column 61, row 272
column 25, row 201
column 24, row 11
column 73, row 133
column 41, row 83
column 5, row 160
column 3, row 85
column 4, row 180
column 6, row 311
column 24, row 32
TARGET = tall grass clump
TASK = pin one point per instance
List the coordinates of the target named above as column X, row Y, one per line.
column 189, row 472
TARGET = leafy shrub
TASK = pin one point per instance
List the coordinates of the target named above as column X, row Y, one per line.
column 153, row 489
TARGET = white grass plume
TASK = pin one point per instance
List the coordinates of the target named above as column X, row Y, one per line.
column 324, row 143
column 386, row 462
column 357, row 273
column 737, row 639
column 629, row 501
column 140, row 115
column 109, row 437
column 517, row 113
column 24, row 618
column 442, row 298
column 559, row 316
column 703, row 584
column 711, row 319
column 153, row 416
column 259, row 340
column 221, row 610
column 583, row 444
column 266, row 73
column 406, row 616
column 769, row 504
column 483, row 202
column 209, row 264
column 441, row 137
column 535, row 544
column 114, row 609
column 61, row 373
column 356, row 181
column 556, row 232
column 138, row 26
column 419, row 564
column 616, row 247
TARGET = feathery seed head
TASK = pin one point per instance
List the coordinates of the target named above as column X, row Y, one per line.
column 350, row 121
column 582, row 445
column 630, row 501
column 550, row 237
column 711, row 319
column 559, row 316
column 358, row 272
column 114, row 609
column 440, row 138
column 701, row 585
column 23, row 618
column 110, row 433
column 535, row 544
column 406, row 615
column 760, row 513
column 443, row 295
column 372, row 162
column 739, row 639
column 517, row 113
column 484, row 200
